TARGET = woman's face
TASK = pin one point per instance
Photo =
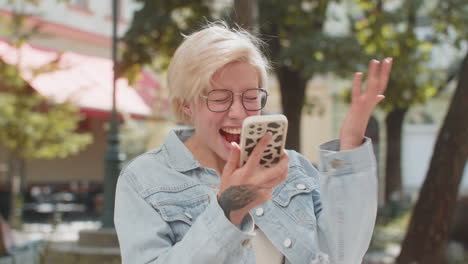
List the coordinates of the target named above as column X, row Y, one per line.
column 214, row 131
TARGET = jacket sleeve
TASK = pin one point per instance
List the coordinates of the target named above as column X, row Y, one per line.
column 349, row 197
column 144, row 237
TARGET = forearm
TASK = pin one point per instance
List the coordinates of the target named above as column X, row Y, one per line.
column 351, row 139
column 211, row 239
column 234, row 201
column 145, row 237
column 349, row 196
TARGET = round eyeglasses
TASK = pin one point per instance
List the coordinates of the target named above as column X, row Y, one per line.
column 220, row 100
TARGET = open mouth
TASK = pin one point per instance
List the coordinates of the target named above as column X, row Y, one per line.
column 231, row 134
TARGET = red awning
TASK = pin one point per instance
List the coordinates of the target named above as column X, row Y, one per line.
column 83, row 80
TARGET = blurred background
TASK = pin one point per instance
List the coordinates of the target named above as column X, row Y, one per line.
column 82, row 91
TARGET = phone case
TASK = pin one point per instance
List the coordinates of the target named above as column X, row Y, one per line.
column 254, row 128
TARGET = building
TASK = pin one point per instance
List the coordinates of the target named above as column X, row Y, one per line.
column 78, row 36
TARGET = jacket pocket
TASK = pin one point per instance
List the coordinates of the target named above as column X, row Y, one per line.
column 180, row 209
column 297, row 197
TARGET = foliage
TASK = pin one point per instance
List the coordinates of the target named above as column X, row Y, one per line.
column 31, row 126
column 158, row 28
column 294, row 34
column 450, row 16
column 302, row 43
column 156, row 31
column 393, row 32
column 16, row 25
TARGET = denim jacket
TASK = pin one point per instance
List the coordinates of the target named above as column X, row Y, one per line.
column 166, row 209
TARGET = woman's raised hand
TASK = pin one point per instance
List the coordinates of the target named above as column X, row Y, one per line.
column 363, row 103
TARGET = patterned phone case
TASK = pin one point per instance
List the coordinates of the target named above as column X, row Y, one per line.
column 254, row 128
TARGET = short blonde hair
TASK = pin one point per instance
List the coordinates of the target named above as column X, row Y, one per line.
column 202, row 54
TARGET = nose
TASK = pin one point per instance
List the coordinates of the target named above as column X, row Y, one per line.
column 237, row 109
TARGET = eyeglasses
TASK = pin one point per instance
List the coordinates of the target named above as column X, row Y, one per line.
column 220, row 100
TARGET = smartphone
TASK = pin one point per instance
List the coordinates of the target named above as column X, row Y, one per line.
column 254, row 128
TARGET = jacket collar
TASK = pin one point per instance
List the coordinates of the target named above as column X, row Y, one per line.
column 178, row 155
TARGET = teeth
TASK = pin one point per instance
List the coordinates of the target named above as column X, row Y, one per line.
column 235, row 131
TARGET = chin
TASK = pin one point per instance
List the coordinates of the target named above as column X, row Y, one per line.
column 224, row 153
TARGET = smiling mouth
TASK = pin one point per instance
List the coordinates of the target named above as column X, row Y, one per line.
column 231, row 134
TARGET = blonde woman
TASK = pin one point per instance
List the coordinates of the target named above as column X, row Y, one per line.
column 189, row 202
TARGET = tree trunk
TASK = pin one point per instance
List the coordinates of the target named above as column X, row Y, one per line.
column 16, row 171
column 6, row 238
column 292, row 83
column 246, row 15
column 394, row 126
column 293, row 87
column 427, row 236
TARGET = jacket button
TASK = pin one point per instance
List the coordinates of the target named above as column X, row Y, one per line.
column 287, row 243
column 259, row 211
column 300, row 186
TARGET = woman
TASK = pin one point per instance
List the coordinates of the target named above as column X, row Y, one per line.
column 189, row 202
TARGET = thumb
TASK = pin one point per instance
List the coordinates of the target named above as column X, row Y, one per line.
column 233, row 160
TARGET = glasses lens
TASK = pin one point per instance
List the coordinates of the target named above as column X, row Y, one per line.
column 219, row 100
column 254, row 99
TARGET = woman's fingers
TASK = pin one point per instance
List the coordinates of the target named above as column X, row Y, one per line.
column 385, row 74
column 372, row 82
column 257, row 153
column 377, row 80
column 233, row 160
column 356, row 89
column 270, row 177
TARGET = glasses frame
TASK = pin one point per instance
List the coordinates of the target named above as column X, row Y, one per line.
column 232, row 98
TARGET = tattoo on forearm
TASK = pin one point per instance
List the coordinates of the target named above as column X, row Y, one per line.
column 237, row 197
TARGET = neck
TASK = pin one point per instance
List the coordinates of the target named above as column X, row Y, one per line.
column 204, row 155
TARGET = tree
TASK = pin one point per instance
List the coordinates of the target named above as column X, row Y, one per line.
column 31, row 127
column 300, row 48
column 427, row 235
column 156, row 31
column 295, row 42
column 245, row 13
column 5, row 238
column 385, row 32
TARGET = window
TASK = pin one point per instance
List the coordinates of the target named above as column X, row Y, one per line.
column 80, row 3
column 81, row 6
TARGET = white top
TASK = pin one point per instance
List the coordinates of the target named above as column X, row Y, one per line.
column 265, row 251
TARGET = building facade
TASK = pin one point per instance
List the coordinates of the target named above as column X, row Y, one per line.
column 78, row 34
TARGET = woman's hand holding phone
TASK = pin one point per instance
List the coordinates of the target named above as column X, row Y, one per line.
column 251, row 185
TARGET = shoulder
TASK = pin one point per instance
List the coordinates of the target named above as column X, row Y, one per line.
column 297, row 159
column 299, row 164
column 147, row 170
column 153, row 159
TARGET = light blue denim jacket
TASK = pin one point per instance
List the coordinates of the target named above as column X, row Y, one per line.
column 166, row 209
